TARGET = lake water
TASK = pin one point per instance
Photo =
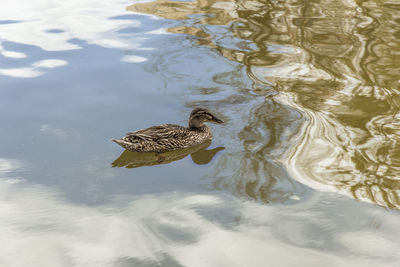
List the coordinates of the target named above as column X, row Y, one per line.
column 304, row 172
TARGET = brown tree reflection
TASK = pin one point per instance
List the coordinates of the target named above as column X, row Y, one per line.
column 335, row 62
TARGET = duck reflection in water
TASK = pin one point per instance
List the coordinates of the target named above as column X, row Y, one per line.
column 199, row 154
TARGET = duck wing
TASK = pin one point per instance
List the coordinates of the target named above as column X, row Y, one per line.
column 157, row 133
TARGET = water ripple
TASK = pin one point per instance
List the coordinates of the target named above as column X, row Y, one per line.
column 335, row 62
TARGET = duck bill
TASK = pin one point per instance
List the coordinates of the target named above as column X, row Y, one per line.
column 216, row 120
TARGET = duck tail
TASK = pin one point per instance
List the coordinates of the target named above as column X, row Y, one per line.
column 122, row 143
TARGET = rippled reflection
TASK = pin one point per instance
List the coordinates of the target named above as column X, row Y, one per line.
column 173, row 229
column 199, row 155
column 336, row 62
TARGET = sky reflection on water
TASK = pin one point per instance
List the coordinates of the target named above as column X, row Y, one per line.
column 53, row 26
column 183, row 229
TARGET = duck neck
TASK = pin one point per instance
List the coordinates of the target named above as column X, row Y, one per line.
column 195, row 124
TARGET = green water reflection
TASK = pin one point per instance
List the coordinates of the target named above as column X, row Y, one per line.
column 337, row 63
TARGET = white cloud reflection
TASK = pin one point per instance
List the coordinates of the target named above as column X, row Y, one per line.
column 133, row 59
column 87, row 20
column 51, row 25
column 39, row 227
column 11, row 54
column 50, row 63
column 58, row 132
column 21, row 72
column 288, row 72
column 36, row 69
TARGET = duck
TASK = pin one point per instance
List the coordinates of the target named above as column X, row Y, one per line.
column 170, row 137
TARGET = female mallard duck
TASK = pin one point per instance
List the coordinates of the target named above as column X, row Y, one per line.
column 168, row 137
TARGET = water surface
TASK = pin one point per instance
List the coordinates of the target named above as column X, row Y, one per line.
column 305, row 171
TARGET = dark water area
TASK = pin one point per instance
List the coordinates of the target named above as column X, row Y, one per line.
column 305, row 171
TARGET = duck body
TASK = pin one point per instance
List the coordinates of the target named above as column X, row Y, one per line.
column 169, row 137
column 163, row 138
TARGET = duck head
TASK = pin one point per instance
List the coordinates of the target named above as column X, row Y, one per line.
column 201, row 115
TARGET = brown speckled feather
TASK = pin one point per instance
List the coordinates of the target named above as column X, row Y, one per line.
column 155, row 133
column 166, row 137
